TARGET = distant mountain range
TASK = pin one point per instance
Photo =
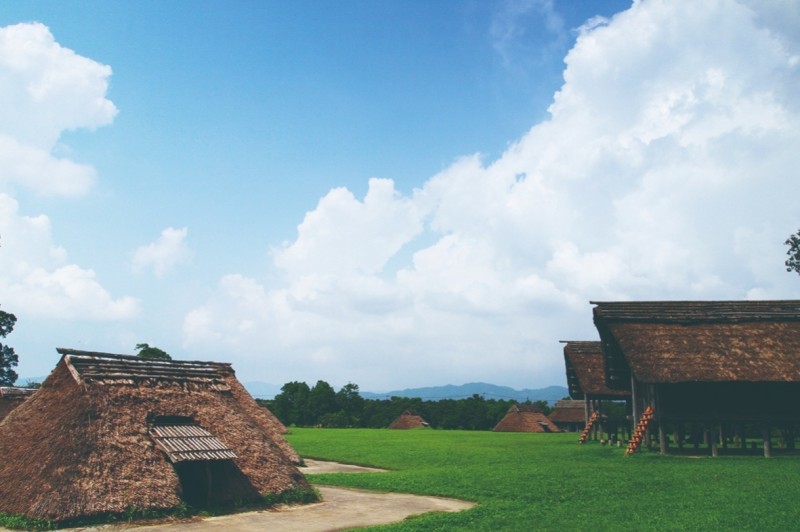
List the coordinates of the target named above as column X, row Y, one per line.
column 551, row 394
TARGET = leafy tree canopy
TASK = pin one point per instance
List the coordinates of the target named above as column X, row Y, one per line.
column 8, row 358
column 793, row 262
column 151, row 353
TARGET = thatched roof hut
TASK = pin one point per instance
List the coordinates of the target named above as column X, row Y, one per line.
column 525, row 418
column 409, row 420
column 11, row 397
column 709, row 361
column 569, row 415
column 107, row 433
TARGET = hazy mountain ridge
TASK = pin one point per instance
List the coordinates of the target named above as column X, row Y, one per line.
column 550, row 394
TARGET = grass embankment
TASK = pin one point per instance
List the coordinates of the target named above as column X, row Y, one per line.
column 547, row 481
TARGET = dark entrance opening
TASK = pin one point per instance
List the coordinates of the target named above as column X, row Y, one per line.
column 205, row 466
column 212, row 483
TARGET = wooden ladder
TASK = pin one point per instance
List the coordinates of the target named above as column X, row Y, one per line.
column 636, row 439
column 588, row 428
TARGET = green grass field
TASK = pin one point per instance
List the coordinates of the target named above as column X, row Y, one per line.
column 547, row 481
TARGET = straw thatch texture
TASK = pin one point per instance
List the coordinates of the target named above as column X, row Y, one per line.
column 81, row 445
column 700, row 341
column 568, row 411
column 524, row 418
column 11, row 398
column 586, row 373
column 409, row 420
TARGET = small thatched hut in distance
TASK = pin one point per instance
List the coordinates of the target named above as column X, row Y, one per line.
column 409, row 420
column 525, row 418
column 11, row 398
column 568, row 415
column 107, row 433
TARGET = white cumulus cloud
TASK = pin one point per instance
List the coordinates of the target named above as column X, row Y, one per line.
column 164, row 254
column 666, row 170
column 37, row 281
column 46, row 89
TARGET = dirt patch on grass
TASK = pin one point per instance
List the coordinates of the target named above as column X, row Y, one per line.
column 318, row 466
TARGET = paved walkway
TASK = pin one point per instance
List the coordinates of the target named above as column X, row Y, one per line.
column 341, row 508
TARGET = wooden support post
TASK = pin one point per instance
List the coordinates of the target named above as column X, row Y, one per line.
column 662, row 438
column 679, row 435
column 635, row 402
column 587, row 410
column 713, row 438
column 742, row 436
column 600, row 425
column 767, row 441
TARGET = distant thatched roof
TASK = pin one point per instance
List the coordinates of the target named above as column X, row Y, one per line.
column 700, row 341
column 106, row 433
column 11, row 397
column 567, row 411
column 409, row 420
column 586, row 371
column 525, row 418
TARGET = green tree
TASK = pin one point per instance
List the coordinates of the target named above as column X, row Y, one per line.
column 8, row 358
column 321, row 401
column 350, row 403
column 793, row 262
column 151, row 353
column 291, row 405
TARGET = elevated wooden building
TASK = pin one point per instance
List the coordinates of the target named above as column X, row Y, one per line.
column 109, row 433
column 722, row 366
column 586, row 380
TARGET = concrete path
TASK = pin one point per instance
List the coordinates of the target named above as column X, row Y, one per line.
column 341, row 508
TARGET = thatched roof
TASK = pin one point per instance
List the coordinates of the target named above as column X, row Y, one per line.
column 11, row 397
column 409, row 420
column 525, row 418
column 699, row 341
column 568, row 411
column 586, row 371
column 102, row 435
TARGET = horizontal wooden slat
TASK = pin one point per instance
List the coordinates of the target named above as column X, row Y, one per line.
column 187, row 442
column 91, row 367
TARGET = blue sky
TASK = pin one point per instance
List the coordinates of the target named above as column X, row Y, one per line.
column 395, row 194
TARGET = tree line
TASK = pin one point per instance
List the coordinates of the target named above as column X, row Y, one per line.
column 321, row 406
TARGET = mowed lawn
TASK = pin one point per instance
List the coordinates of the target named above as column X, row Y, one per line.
column 547, row 481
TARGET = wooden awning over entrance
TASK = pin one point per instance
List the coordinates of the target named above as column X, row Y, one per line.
column 189, row 442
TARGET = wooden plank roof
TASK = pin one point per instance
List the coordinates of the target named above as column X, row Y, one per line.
column 189, row 442
column 12, row 392
column 586, row 374
column 107, row 368
column 699, row 341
